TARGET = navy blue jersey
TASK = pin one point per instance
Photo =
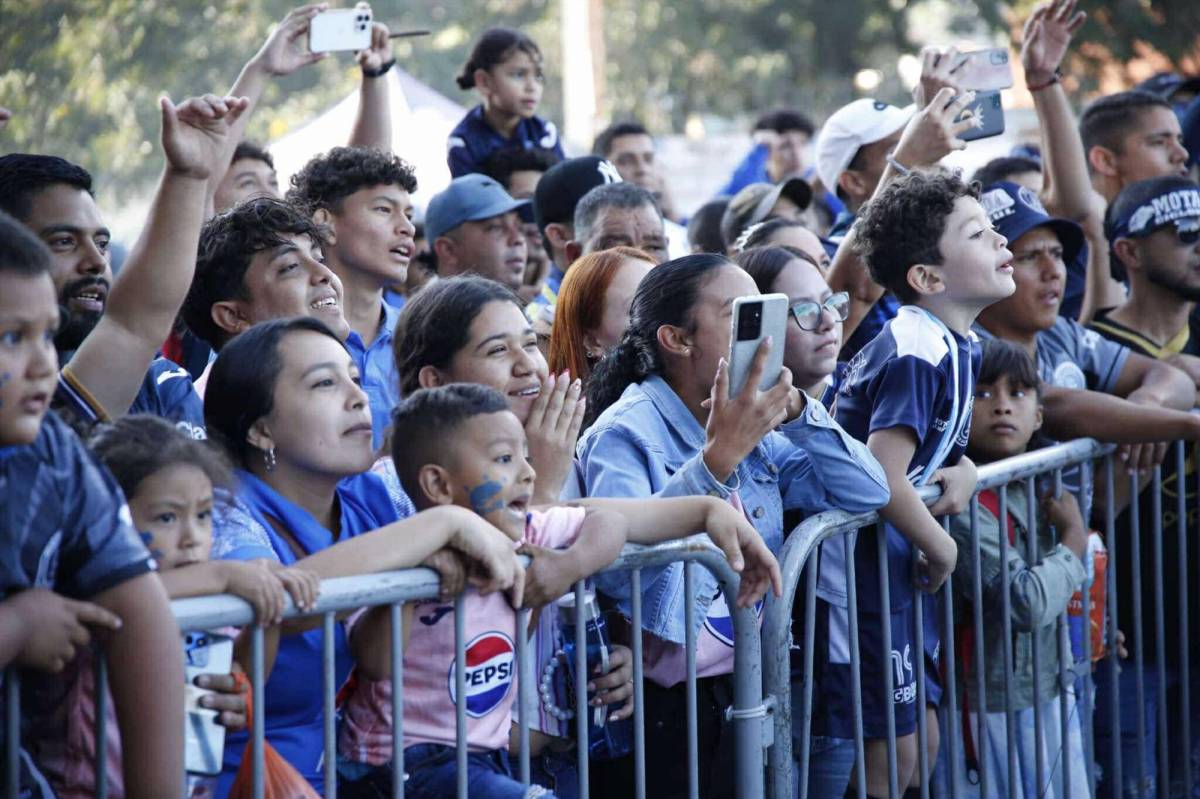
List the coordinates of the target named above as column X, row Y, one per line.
column 905, row 377
column 473, row 141
column 166, row 391
column 64, row 524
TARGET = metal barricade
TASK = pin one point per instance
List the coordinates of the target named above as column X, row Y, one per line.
column 793, row 716
column 747, row 714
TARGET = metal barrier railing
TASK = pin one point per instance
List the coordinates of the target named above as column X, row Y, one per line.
column 793, row 730
column 747, row 713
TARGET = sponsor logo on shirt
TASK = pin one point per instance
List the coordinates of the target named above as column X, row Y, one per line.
column 905, row 690
column 719, row 621
column 490, row 669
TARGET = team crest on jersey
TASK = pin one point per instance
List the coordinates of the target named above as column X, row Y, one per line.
column 719, row 621
column 491, row 667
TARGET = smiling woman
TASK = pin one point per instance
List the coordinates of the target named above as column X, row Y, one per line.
column 284, row 401
column 472, row 330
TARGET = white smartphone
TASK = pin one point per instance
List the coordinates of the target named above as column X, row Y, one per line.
column 204, row 738
column 340, row 29
column 754, row 319
column 985, row 70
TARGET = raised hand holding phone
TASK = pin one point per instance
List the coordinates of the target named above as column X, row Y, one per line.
column 737, row 424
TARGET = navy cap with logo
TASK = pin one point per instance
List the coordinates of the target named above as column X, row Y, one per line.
column 1148, row 205
column 469, row 198
column 563, row 185
column 1015, row 210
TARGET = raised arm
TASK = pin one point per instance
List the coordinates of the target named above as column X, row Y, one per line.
column 112, row 361
column 1067, row 189
column 373, row 122
column 284, row 52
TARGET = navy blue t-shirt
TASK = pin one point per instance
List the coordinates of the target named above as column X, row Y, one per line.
column 905, row 378
column 473, row 141
column 166, row 391
column 885, row 307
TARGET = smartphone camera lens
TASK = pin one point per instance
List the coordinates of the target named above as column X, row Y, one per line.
column 750, row 322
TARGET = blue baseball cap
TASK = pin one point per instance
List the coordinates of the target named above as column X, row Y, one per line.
column 468, row 198
column 1015, row 210
column 1148, row 205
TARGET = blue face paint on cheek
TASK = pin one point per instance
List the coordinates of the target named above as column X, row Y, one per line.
column 487, row 497
column 4, row 378
column 148, row 539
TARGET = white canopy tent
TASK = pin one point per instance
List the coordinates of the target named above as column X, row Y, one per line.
column 421, row 121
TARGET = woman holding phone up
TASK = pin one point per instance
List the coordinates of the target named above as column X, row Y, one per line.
column 661, row 422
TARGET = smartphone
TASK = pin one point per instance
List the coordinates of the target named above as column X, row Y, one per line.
column 985, row 70
column 989, row 116
column 204, row 738
column 340, row 29
column 754, row 319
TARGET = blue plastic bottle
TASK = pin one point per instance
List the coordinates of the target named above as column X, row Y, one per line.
column 606, row 739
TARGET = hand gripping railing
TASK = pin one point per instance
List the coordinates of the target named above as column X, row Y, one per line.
column 394, row 588
column 777, row 634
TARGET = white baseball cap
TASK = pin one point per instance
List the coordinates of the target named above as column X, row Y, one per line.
column 864, row 121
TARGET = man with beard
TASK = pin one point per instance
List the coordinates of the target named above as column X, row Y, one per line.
column 1154, row 230
column 108, row 343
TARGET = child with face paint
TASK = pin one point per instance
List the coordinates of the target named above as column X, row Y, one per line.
column 168, row 479
column 461, row 445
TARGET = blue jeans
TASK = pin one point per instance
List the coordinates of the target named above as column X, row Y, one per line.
column 432, row 774
column 556, row 771
column 828, row 769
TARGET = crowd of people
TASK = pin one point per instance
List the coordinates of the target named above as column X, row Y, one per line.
column 284, row 385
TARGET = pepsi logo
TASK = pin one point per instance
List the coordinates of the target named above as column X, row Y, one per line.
column 491, row 667
column 719, row 622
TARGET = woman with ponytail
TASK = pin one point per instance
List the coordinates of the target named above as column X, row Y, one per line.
column 505, row 69
column 661, row 422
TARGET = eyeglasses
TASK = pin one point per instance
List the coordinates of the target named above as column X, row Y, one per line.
column 808, row 314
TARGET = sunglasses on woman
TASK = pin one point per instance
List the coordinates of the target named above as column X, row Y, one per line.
column 808, row 313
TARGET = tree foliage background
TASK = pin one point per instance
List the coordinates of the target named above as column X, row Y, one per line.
column 82, row 76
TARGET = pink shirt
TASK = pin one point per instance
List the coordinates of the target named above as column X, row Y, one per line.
column 429, row 668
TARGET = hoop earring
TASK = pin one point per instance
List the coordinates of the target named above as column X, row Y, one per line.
column 269, row 457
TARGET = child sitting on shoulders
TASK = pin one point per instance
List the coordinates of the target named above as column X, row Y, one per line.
column 505, row 68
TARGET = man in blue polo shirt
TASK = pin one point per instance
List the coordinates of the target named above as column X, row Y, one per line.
column 110, row 343
column 363, row 199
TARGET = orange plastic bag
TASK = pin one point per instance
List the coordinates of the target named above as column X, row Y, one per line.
column 280, row 778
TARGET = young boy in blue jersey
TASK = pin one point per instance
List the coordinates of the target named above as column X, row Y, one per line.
column 505, row 68
column 71, row 563
column 908, row 393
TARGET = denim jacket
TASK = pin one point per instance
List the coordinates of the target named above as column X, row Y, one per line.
column 649, row 444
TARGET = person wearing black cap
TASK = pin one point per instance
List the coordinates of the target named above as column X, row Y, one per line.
column 1153, row 227
column 558, row 192
column 1068, row 355
column 474, row 226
